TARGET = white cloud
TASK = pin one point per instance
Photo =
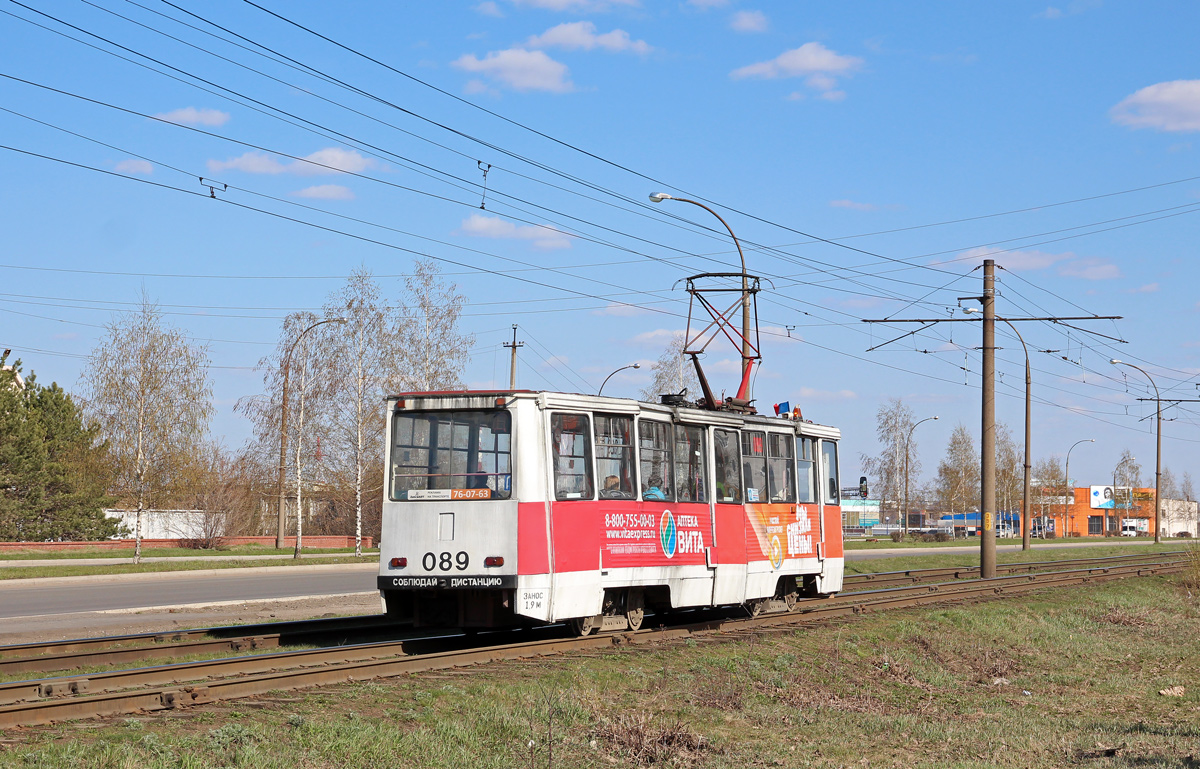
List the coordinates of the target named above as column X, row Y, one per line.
column 520, row 70
column 489, row 8
column 193, row 116
column 1016, row 260
column 330, row 160
column 581, row 35
column 826, row 395
column 1169, row 106
column 817, row 64
column 575, row 5
column 1050, row 13
column 659, row 337
column 1090, row 268
column 326, row 192
column 545, row 238
column 1149, row 288
column 134, row 166
column 749, row 21
column 706, row 4
column 853, row 206
column 1073, row 8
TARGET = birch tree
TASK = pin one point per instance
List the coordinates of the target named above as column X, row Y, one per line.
column 360, row 358
column 672, row 372
column 147, row 386
column 434, row 350
column 958, row 473
column 893, row 423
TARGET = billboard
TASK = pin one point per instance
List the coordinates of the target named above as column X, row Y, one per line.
column 1105, row 497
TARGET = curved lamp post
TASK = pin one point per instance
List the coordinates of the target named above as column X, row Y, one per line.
column 1070, row 488
column 610, row 376
column 659, row 197
column 1025, row 512
column 1157, row 452
column 287, row 363
column 907, row 443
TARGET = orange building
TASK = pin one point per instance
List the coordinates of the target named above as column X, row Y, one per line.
column 1076, row 516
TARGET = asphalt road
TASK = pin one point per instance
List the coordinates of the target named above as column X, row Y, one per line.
column 69, row 595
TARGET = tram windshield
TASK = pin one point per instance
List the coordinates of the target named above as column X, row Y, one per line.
column 439, row 455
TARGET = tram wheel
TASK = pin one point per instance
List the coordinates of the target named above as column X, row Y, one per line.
column 756, row 606
column 791, row 599
column 634, row 617
column 582, row 626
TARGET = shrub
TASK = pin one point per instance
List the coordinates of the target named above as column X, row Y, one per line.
column 897, row 536
column 941, row 536
column 1184, row 534
column 1050, row 535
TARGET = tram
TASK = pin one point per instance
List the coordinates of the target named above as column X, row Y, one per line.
column 507, row 508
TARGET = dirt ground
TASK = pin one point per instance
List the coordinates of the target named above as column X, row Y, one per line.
column 55, row 627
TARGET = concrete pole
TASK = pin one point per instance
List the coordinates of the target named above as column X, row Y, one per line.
column 987, row 474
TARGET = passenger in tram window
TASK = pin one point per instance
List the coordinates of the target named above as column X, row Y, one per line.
column 655, row 489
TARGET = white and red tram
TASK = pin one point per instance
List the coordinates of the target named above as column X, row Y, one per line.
column 519, row 507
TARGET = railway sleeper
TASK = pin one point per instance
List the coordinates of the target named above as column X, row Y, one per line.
column 63, row 688
column 188, row 695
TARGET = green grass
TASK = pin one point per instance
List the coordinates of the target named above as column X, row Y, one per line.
column 1059, row 678
column 904, row 562
column 885, row 542
column 33, row 554
column 29, row 572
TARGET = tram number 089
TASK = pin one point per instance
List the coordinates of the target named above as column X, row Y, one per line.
column 445, row 561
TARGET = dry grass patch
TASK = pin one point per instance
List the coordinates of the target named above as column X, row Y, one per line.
column 646, row 739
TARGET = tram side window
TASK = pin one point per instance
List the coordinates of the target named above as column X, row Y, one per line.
column 729, row 461
column 779, row 467
column 806, row 471
column 690, row 461
column 451, row 455
column 754, row 466
column 829, row 471
column 654, row 453
column 614, row 456
column 571, row 437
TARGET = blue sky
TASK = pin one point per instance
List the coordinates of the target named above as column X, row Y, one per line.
column 1060, row 139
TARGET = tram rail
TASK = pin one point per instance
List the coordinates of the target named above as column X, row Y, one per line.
column 172, row 686
column 113, row 650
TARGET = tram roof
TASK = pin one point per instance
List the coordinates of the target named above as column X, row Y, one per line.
column 587, row 402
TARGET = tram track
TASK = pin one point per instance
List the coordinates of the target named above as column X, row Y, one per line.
column 180, row 685
column 113, row 650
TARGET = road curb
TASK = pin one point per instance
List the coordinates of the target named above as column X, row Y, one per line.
column 20, row 583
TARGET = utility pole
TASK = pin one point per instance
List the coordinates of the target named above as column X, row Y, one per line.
column 1158, row 402
column 512, row 370
column 987, row 484
column 987, row 448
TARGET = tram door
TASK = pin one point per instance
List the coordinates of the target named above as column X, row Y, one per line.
column 729, row 553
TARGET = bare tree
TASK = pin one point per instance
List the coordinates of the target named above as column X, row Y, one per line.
column 958, row 473
column 1051, row 486
column 1169, row 485
column 893, row 425
column 361, row 356
column 672, row 372
column 147, row 385
column 1010, row 470
column 435, row 350
column 1127, row 473
column 1186, row 490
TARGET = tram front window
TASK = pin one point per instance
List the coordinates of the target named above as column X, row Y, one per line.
column 829, row 472
column 439, row 455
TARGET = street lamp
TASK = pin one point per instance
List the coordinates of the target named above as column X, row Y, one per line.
column 1025, row 512
column 1157, row 452
column 287, row 363
column 659, row 197
column 907, row 443
column 610, row 376
column 1070, row 488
